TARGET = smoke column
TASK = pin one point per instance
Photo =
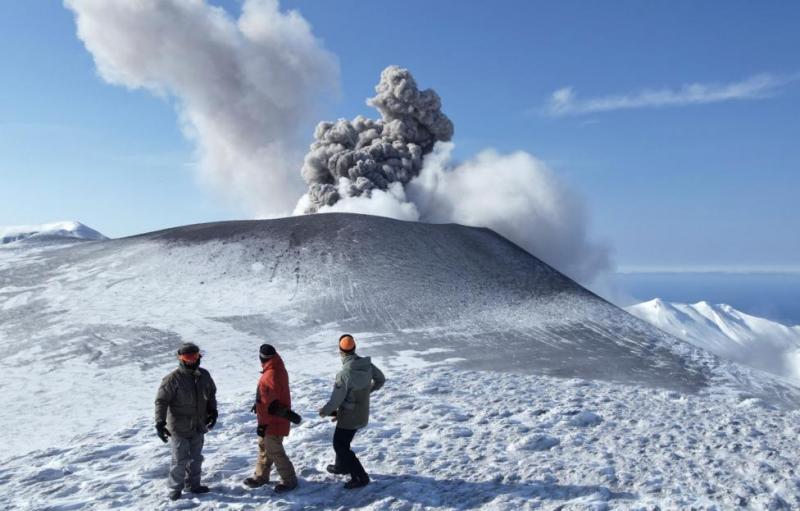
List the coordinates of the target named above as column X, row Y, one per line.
column 243, row 87
column 400, row 166
column 352, row 158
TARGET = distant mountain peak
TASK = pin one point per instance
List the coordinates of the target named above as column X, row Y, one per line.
column 70, row 229
column 728, row 333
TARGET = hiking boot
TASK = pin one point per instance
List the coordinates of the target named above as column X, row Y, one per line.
column 356, row 483
column 200, row 489
column 174, row 494
column 254, row 482
column 283, row 488
column 333, row 469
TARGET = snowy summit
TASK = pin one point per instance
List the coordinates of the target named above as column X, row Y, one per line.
column 69, row 230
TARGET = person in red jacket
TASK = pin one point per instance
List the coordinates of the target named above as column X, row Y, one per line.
column 272, row 396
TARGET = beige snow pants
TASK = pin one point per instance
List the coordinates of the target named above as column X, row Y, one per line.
column 270, row 450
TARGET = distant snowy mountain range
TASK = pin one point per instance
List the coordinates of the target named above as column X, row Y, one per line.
column 729, row 333
column 52, row 231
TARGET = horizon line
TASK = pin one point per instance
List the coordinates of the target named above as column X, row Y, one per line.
column 729, row 269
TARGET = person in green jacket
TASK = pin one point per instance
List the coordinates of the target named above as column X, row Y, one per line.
column 186, row 408
column 349, row 405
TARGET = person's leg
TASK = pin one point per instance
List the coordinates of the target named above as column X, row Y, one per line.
column 342, row 439
column 338, row 445
column 263, row 462
column 277, row 454
column 337, row 462
column 341, row 444
column 357, row 471
column 195, row 467
column 181, row 456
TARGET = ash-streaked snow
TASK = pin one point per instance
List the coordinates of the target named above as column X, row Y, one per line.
column 88, row 330
column 729, row 333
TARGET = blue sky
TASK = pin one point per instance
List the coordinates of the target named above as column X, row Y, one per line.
column 711, row 181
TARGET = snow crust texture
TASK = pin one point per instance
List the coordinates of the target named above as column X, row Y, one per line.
column 453, row 439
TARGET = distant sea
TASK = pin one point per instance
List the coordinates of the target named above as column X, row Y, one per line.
column 775, row 296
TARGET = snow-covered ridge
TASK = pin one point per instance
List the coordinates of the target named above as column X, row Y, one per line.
column 70, row 229
column 729, row 333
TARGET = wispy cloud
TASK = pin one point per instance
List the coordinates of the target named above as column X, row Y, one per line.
column 565, row 101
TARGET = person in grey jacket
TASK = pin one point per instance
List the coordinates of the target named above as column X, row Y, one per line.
column 186, row 408
column 349, row 405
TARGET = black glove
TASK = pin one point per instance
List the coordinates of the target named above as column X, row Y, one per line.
column 162, row 431
column 261, row 430
column 211, row 420
column 293, row 417
column 253, row 409
column 275, row 408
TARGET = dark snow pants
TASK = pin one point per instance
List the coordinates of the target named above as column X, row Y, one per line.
column 187, row 461
column 346, row 459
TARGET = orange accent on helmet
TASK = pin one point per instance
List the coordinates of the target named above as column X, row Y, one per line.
column 347, row 343
column 189, row 357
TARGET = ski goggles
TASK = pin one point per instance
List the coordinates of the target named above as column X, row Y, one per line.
column 189, row 357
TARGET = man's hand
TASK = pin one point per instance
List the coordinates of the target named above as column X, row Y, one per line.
column 253, row 409
column 162, row 431
column 211, row 420
column 323, row 414
column 261, row 430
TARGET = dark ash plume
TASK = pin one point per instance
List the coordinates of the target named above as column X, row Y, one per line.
column 352, row 158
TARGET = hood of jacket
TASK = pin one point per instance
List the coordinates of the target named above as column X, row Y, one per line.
column 275, row 363
column 359, row 370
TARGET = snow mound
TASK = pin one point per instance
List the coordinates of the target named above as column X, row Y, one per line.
column 652, row 451
column 585, row 418
column 49, row 232
column 729, row 333
column 535, row 442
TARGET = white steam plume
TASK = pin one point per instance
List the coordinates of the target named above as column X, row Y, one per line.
column 515, row 195
column 244, row 87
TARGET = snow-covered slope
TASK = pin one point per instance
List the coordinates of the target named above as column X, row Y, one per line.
column 88, row 330
column 451, row 439
column 48, row 232
column 729, row 333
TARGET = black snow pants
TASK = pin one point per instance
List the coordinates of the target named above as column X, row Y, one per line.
column 346, row 459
